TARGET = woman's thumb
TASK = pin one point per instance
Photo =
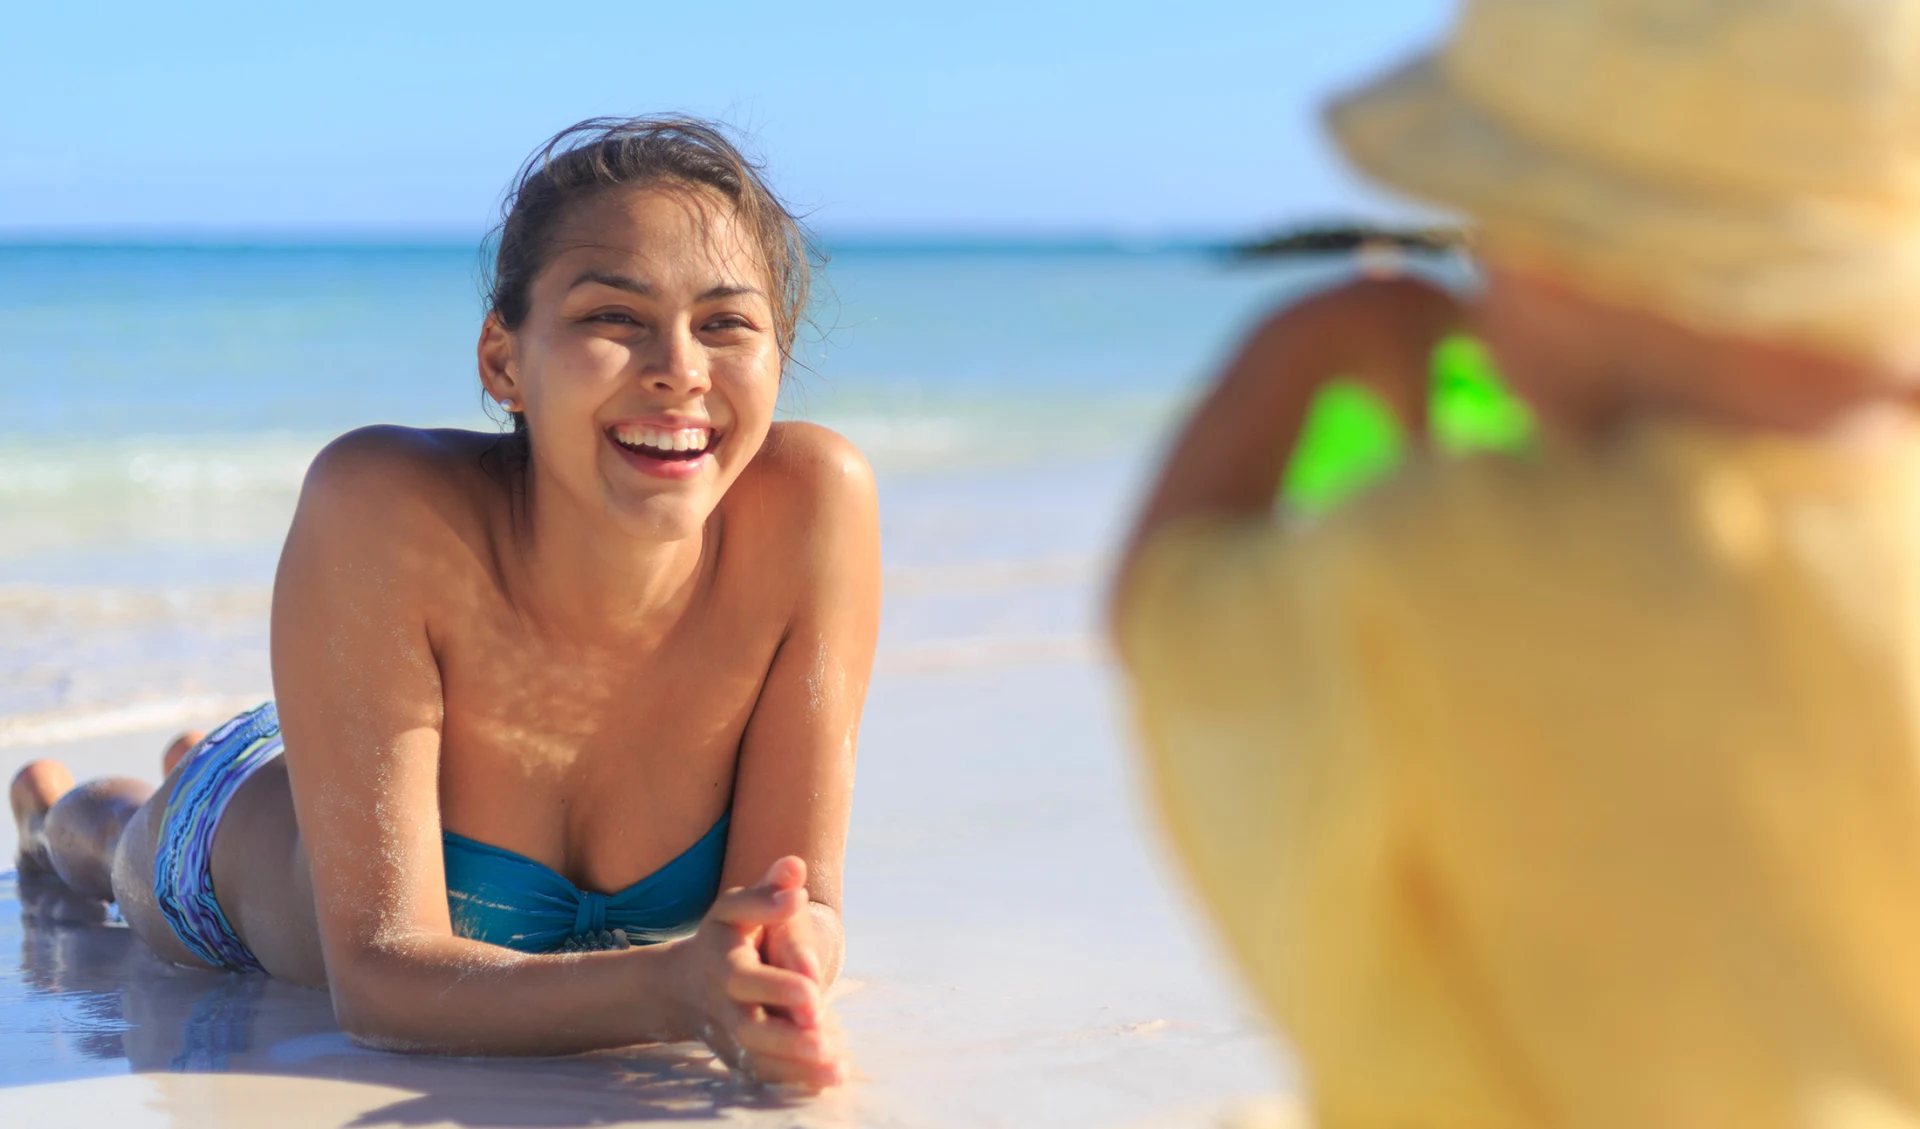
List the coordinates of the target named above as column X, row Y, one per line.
column 788, row 873
column 780, row 895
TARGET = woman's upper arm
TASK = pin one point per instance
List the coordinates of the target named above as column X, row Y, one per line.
column 794, row 786
column 359, row 698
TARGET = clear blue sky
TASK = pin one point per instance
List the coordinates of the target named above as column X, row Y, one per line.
column 989, row 116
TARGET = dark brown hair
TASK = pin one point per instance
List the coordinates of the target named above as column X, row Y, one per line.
column 598, row 154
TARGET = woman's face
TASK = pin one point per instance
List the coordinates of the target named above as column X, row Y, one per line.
column 647, row 365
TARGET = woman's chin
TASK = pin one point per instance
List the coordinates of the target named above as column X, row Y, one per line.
column 664, row 516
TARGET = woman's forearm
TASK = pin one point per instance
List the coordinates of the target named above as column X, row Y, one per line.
column 449, row 995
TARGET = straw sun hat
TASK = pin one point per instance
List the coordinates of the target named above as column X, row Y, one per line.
column 1749, row 166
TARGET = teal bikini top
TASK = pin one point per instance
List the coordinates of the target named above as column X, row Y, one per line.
column 505, row 898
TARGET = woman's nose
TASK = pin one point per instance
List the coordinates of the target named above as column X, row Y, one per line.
column 678, row 365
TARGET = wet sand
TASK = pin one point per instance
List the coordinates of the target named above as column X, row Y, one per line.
column 1018, row 955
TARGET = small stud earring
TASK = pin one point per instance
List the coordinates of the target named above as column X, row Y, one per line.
column 507, row 403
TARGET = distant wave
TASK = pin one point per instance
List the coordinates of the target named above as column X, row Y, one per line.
column 54, row 727
column 79, row 496
column 48, row 607
column 940, row 655
column 155, row 466
column 60, row 727
column 986, row 575
column 79, row 662
column 116, row 495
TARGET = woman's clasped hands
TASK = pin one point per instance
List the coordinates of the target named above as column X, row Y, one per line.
column 753, row 984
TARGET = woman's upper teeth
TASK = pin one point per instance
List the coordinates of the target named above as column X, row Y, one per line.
column 664, row 439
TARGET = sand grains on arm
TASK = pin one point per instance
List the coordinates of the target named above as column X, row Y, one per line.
column 360, row 700
column 794, row 785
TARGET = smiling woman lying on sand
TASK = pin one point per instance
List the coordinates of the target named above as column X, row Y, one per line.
column 546, row 696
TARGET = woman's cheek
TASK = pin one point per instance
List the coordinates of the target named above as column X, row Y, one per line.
column 596, row 362
column 754, row 391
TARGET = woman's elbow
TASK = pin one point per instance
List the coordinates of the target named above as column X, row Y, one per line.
column 367, row 1022
column 374, row 1008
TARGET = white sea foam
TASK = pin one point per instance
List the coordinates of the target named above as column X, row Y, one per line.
column 91, row 501
column 98, row 499
column 58, row 727
column 155, row 466
column 993, row 574
column 975, row 432
column 989, row 651
column 80, row 661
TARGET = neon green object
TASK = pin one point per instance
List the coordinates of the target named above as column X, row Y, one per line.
column 1351, row 440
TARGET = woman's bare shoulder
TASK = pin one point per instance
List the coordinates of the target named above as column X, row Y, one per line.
column 811, row 474
column 401, row 486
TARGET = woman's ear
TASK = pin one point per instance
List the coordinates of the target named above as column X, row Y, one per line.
column 497, row 369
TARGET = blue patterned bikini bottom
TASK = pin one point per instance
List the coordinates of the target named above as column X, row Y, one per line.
column 183, row 864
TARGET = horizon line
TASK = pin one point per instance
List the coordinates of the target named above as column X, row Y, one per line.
column 421, row 238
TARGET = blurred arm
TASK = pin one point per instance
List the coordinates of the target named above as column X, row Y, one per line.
column 1230, row 457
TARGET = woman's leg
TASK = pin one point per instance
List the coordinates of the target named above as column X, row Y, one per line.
column 177, row 751
column 100, row 839
column 72, row 831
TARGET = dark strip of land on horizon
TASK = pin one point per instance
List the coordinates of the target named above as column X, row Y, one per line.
column 1344, row 238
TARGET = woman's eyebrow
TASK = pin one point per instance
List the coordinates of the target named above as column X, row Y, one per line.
column 610, row 278
column 645, row 289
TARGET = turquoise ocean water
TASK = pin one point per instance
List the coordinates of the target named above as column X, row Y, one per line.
column 162, row 403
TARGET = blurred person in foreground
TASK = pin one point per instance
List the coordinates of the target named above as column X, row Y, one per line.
column 1582, row 787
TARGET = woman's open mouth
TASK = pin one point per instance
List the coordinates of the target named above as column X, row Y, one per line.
column 665, row 452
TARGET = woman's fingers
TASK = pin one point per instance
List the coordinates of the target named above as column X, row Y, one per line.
column 765, row 1034
column 751, row 982
column 784, row 957
column 786, row 873
column 779, row 896
column 775, row 1050
column 757, row 906
column 778, row 1037
column 791, row 946
column 775, row 1071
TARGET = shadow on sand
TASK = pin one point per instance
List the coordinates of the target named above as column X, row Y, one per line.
column 86, row 1000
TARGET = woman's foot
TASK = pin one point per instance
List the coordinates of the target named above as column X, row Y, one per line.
column 44, row 896
column 35, row 789
column 69, row 832
column 177, row 752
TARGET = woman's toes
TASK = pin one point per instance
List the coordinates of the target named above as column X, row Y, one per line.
column 35, row 789
column 181, row 746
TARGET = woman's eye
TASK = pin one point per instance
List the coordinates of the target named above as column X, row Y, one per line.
column 614, row 317
column 729, row 322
